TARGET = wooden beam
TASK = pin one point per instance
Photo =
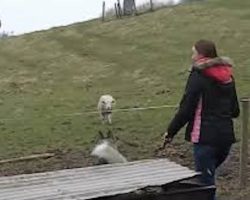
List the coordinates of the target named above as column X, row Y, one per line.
column 244, row 142
column 27, row 158
column 103, row 11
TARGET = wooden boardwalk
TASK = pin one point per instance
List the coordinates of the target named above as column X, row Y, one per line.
column 92, row 182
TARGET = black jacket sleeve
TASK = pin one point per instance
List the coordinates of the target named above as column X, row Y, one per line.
column 188, row 103
column 235, row 104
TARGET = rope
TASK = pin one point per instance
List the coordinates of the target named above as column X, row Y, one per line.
column 113, row 111
column 124, row 110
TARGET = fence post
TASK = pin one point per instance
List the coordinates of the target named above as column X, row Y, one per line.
column 103, row 11
column 244, row 142
column 135, row 8
column 119, row 8
column 151, row 5
column 116, row 11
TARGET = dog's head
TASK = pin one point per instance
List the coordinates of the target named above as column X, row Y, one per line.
column 108, row 138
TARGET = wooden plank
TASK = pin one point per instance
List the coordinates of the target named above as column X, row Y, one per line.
column 93, row 182
column 26, row 158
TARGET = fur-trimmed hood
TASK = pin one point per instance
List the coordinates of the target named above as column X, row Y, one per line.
column 203, row 62
column 219, row 68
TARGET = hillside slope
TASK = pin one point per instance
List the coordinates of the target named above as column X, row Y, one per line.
column 47, row 78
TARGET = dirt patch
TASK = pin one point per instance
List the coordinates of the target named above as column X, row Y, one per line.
column 62, row 160
column 227, row 181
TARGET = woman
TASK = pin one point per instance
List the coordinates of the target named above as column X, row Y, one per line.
column 208, row 106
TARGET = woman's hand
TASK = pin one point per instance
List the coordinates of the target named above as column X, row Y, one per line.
column 167, row 138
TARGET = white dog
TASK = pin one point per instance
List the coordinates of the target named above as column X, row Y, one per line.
column 106, row 151
column 108, row 154
column 104, row 107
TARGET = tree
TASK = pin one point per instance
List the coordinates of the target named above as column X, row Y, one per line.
column 129, row 7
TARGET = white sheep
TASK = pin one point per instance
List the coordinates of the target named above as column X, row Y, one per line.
column 104, row 107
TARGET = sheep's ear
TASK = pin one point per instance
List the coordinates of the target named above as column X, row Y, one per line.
column 101, row 135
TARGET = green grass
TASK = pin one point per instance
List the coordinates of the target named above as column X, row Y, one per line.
column 45, row 75
column 142, row 61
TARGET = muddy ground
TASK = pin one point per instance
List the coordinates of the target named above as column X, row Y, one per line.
column 181, row 153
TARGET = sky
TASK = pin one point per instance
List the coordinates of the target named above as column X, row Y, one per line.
column 23, row 16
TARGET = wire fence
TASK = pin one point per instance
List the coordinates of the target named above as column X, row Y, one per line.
column 96, row 112
column 245, row 134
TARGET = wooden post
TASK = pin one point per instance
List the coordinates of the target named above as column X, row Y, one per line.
column 27, row 158
column 103, row 11
column 151, row 5
column 135, row 8
column 119, row 8
column 244, row 142
column 116, row 11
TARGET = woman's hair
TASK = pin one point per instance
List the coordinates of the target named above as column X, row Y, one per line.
column 206, row 48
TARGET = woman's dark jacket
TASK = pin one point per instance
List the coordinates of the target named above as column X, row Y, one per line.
column 208, row 104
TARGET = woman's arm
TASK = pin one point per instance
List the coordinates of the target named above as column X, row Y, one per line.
column 188, row 103
column 235, row 104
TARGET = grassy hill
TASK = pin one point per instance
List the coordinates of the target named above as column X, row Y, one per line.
column 48, row 77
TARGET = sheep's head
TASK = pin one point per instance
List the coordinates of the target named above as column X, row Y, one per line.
column 107, row 102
